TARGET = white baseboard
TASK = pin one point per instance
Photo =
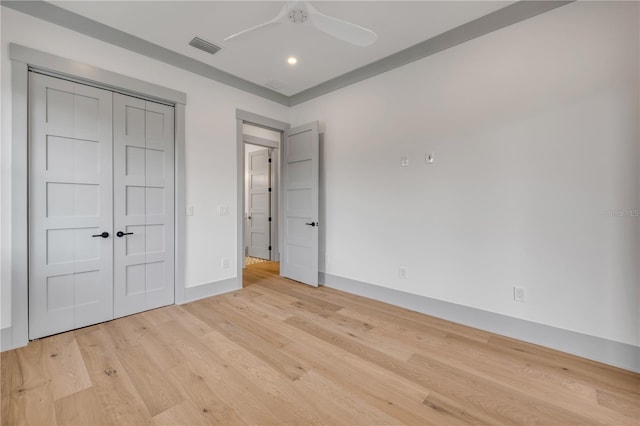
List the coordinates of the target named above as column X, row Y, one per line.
column 211, row 289
column 594, row 348
column 191, row 293
column 6, row 339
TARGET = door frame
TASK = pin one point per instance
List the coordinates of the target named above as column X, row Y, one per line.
column 245, row 117
column 22, row 60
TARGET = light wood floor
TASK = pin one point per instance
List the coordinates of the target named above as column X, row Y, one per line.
column 279, row 352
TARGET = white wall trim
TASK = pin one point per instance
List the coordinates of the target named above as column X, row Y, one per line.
column 508, row 15
column 210, row 289
column 95, row 76
column 21, row 59
column 618, row 354
column 257, row 140
column 6, row 339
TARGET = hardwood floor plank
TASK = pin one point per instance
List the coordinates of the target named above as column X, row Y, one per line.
column 32, row 394
column 278, row 391
column 235, row 315
column 149, row 380
column 128, row 331
column 185, row 413
column 601, row 375
column 113, row 388
column 390, row 394
column 279, row 352
column 627, row 405
column 223, row 379
column 339, row 404
column 80, row 409
column 251, row 342
column 512, row 407
column 200, row 397
column 65, row 365
column 9, row 381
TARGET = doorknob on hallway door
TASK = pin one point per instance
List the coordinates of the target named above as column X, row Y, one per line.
column 103, row 235
column 122, row 234
column 312, row 224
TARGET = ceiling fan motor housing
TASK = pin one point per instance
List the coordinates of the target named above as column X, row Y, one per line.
column 298, row 16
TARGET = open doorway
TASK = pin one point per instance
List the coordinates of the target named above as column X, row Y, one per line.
column 260, row 216
column 294, row 231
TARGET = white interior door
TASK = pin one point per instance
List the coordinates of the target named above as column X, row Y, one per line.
column 70, row 206
column 143, row 205
column 259, row 208
column 300, row 180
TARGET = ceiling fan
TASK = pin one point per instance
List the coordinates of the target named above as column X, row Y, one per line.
column 302, row 12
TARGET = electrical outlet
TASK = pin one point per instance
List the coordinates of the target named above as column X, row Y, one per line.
column 225, row 263
column 519, row 294
column 223, row 210
column 404, row 161
column 402, row 273
column 190, row 211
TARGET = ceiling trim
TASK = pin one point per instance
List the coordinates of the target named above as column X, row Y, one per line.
column 501, row 18
column 73, row 21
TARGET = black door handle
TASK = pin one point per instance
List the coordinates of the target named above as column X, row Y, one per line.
column 103, row 235
column 311, row 224
column 122, row 234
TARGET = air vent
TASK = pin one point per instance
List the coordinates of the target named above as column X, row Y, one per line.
column 204, row 45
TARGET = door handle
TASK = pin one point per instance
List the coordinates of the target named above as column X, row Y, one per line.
column 122, row 234
column 103, row 235
column 311, row 224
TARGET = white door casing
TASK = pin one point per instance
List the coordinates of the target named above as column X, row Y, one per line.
column 143, row 205
column 259, row 200
column 70, row 205
column 300, row 181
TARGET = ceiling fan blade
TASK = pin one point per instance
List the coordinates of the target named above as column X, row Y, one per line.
column 275, row 21
column 343, row 30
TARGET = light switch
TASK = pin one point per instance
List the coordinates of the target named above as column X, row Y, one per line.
column 190, row 211
column 429, row 157
column 223, row 210
column 404, row 161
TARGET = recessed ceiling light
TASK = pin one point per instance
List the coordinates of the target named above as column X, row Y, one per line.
column 292, row 60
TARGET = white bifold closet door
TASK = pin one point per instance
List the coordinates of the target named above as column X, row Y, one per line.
column 70, row 206
column 143, row 205
column 101, row 205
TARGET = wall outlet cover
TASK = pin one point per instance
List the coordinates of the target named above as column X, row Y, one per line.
column 402, row 273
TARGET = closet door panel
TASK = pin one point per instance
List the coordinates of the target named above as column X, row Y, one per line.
column 144, row 205
column 70, row 205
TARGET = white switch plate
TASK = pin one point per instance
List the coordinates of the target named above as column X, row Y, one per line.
column 519, row 294
column 225, row 263
column 223, row 210
column 190, row 211
column 429, row 157
column 404, row 161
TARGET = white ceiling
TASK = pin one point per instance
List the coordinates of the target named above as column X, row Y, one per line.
column 262, row 59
